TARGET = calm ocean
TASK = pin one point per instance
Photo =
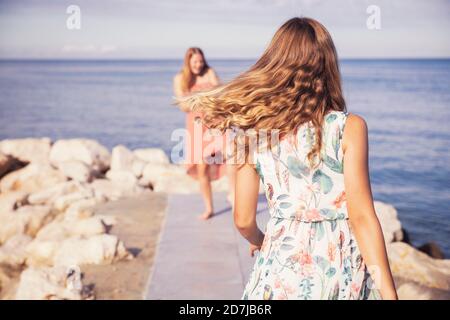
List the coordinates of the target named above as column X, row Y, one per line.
column 406, row 104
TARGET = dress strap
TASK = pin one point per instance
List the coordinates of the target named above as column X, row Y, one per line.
column 344, row 117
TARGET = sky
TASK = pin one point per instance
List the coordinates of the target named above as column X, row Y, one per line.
column 150, row 29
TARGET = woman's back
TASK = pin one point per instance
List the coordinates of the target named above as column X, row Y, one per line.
column 293, row 189
column 309, row 251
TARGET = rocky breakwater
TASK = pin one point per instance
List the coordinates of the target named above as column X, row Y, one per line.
column 419, row 273
column 48, row 228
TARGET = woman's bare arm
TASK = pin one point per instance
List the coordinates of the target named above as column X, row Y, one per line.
column 246, row 200
column 362, row 216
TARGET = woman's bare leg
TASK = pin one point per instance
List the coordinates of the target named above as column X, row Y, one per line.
column 205, row 189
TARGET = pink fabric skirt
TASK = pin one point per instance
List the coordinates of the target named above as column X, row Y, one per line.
column 203, row 147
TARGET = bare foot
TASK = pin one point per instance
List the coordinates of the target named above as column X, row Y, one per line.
column 206, row 215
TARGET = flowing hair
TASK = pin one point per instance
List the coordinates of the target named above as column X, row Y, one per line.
column 296, row 80
column 188, row 77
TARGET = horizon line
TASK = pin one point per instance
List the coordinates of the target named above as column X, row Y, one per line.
column 210, row 59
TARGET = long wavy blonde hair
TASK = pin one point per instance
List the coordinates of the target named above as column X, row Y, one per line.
column 295, row 81
column 188, row 78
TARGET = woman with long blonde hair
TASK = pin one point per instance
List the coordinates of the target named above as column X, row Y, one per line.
column 323, row 239
column 205, row 154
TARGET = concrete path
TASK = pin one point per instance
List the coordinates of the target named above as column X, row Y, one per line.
column 199, row 259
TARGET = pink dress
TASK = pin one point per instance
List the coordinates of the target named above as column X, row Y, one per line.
column 201, row 147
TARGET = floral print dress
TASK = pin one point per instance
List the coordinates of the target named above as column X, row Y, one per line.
column 309, row 250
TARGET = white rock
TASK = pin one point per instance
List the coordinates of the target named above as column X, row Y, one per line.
column 12, row 252
column 63, row 202
column 410, row 264
column 138, row 167
column 414, row 291
column 25, row 220
column 7, row 163
column 81, row 209
column 62, row 229
column 76, row 170
column 112, row 190
column 97, row 249
column 49, row 195
column 391, row 226
column 57, row 283
column 27, row 150
column 41, row 252
column 9, row 201
column 152, row 155
column 126, row 178
column 33, row 217
column 122, row 158
column 145, row 183
column 171, row 178
column 32, row 178
column 88, row 151
column 153, row 172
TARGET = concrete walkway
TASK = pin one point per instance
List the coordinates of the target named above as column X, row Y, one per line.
column 199, row 259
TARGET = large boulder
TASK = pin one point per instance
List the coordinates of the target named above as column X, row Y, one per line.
column 76, row 170
column 61, row 203
column 88, row 151
column 411, row 290
column 417, row 275
column 152, row 155
column 138, row 167
column 25, row 220
column 126, row 163
column 28, row 149
column 390, row 224
column 57, row 283
column 10, row 201
column 7, row 164
column 49, row 195
column 12, row 252
column 78, row 250
column 114, row 190
column 34, row 177
column 125, row 178
column 60, row 229
column 81, row 209
column 172, row 178
column 122, row 158
column 432, row 249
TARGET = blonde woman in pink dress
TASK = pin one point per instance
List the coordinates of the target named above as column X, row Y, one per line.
column 195, row 76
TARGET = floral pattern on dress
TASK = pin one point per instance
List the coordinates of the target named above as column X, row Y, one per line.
column 309, row 250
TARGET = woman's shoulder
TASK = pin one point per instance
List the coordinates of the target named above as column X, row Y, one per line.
column 345, row 122
column 210, row 71
column 342, row 118
column 355, row 124
column 212, row 76
column 355, row 130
